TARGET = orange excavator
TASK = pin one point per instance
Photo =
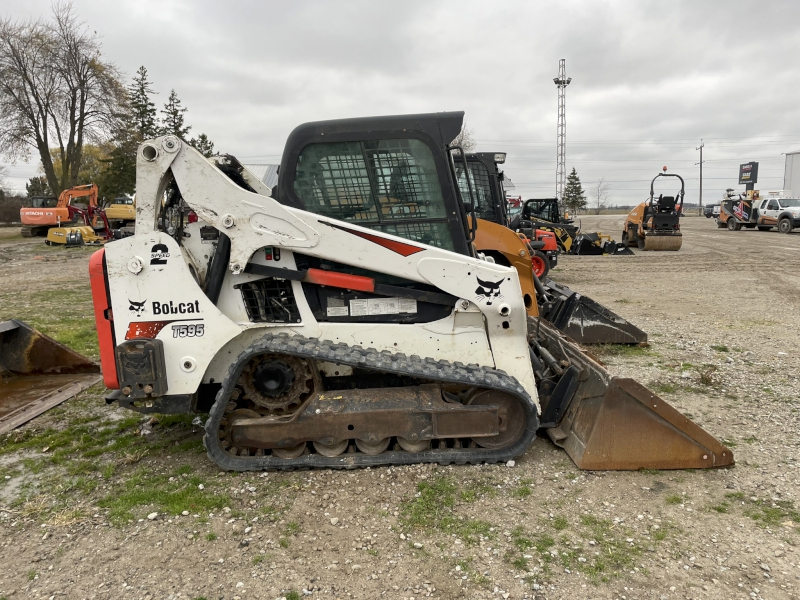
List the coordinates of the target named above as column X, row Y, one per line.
column 36, row 221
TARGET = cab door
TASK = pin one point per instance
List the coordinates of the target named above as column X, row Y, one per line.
column 769, row 213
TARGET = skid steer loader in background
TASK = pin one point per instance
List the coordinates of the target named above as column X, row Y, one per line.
column 655, row 223
column 581, row 318
column 349, row 321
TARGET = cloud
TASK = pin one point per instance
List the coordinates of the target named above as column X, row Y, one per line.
column 650, row 79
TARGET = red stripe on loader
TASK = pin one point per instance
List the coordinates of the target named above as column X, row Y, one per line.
column 104, row 320
column 340, row 280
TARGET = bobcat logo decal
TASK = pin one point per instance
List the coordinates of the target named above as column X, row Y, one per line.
column 488, row 290
column 137, row 307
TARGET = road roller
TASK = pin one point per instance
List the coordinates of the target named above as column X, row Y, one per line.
column 655, row 223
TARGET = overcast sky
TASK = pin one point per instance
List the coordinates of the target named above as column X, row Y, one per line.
column 649, row 79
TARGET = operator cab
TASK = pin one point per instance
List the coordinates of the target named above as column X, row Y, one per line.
column 486, row 181
column 392, row 174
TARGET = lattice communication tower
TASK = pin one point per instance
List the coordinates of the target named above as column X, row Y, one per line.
column 562, row 81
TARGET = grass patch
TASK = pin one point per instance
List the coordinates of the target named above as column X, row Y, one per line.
column 433, row 508
column 144, row 489
column 211, row 536
column 706, row 376
column 674, row 499
column 664, row 387
column 472, row 490
column 773, row 514
column 523, row 490
column 293, row 595
column 720, row 348
column 560, row 523
column 292, row 528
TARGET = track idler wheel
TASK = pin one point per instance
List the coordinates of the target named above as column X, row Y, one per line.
column 292, row 452
column 378, row 447
column 414, row 445
column 331, row 450
column 512, row 419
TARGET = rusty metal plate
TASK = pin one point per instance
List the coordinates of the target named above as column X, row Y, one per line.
column 37, row 373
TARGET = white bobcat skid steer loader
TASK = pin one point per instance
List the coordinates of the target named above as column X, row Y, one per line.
column 348, row 324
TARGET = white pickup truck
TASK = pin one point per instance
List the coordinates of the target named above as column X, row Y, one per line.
column 775, row 210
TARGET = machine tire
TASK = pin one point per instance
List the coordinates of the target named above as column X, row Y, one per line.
column 640, row 242
column 540, row 264
column 733, row 225
column 785, row 226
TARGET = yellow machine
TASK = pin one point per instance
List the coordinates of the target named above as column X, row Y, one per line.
column 122, row 211
column 95, row 230
column 655, row 223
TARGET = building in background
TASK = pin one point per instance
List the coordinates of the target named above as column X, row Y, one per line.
column 268, row 174
column 791, row 177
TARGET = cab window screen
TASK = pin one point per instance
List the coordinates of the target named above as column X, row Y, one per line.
column 389, row 185
column 543, row 210
column 481, row 188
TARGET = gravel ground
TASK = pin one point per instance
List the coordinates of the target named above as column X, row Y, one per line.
column 96, row 502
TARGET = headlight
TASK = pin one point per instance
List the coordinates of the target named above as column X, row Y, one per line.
column 796, row 214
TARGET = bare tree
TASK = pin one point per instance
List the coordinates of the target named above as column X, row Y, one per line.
column 600, row 194
column 55, row 90
column 465, row 139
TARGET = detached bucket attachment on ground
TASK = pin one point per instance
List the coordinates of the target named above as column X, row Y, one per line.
column 37, row 373
column 584, row 320
column 663, row 242
column 597, row 244
column 613, row 423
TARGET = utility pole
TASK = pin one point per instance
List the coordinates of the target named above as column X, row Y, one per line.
column 562, row 81
column 700, row 147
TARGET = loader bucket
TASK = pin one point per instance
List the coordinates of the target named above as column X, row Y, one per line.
column 613, row 423
column 37, row 373
column 584, row 320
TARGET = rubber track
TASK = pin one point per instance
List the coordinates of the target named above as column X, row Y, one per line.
column 387, row 362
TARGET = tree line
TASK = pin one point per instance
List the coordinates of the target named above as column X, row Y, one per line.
column 62, row 102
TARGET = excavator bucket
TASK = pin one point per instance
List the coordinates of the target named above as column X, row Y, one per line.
column 584, row 320
column 37, row 373
column 663, row 242
column 613, row 423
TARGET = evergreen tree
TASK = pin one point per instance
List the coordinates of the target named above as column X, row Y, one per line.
column 136, row 122
column 203, row 144
column 172, row 123
column 38, row 187
column 574, row 198
column 142, row 111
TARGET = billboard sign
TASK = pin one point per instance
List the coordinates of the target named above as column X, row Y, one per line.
column 748, row 173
